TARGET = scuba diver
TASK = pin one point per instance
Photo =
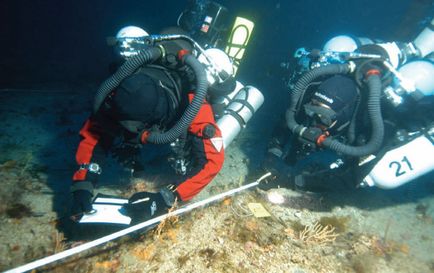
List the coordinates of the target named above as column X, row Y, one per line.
column 361, row 114
column 170, row 90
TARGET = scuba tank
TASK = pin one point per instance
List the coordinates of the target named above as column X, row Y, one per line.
column 239, row 110
column 402, row 164
column 233, row 103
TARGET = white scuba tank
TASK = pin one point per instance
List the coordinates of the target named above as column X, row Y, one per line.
column 425, row 40
column 242, row 103
column 403, row 164
column 346, row 43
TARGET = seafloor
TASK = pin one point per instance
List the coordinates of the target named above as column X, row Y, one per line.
column 365, row 230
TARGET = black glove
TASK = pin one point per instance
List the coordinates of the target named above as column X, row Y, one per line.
column 274, row 164
column 273, row 182
column 279, row 173
column 82, row 198
column 81, row 202
column 143, row 206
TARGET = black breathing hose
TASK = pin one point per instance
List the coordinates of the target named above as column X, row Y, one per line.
column 146, row 56
column 300, row 88
column 374, row 111
column 192, row 109
column 351, row 134
column 377, row 125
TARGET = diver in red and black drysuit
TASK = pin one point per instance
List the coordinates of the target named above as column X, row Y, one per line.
column 152, row 99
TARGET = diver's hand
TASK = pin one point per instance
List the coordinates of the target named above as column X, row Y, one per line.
column 283, row 180
column 81, row 202
column 144, row 205
column 279, row 173
column 274, row 164
column 81, row 198
column 269, row 183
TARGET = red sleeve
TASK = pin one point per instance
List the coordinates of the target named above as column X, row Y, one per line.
column 85, row 150
column 213, row 151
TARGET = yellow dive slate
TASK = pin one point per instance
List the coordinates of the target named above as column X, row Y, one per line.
column 258, row 210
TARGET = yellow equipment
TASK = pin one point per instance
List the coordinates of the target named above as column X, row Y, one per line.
column 238, row 39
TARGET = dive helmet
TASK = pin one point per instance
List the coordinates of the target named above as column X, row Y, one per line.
column 130, row 40
column 139, row 102
column 333, row 103
column 345, row 43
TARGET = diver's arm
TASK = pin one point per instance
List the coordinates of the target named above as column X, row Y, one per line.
column 88, row 157
column 89, row 154
column 207, row 152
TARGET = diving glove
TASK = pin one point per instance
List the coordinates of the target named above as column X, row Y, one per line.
column 82, row 192
column 279, row 173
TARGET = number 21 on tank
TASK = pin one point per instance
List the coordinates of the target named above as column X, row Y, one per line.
column 401, row 167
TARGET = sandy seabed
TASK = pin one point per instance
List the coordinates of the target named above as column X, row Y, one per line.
column 365, row 230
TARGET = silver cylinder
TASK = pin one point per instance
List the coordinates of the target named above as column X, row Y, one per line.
column 425, row 40
column 402, row 164
column 239, row 111
column 225, row 100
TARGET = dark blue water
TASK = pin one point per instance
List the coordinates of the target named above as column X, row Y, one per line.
column 52, row 43
column 45, row 41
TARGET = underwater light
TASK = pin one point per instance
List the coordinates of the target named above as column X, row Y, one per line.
column 275, row 197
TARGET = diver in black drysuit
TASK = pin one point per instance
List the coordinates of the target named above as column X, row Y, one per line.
column 327, row 107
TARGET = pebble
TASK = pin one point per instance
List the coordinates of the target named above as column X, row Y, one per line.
column 297, row 214
column 340, row 254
